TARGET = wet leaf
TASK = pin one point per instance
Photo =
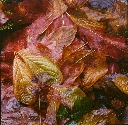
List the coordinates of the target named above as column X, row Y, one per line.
column 79, row 17
column 74, row 66
column 122, row 83
column 54, row 103
column 97, row 15
column 113, row 46
column 24, row 90
column 69, row 94
column 94, row 70
column 81, row 106
column 119, row 14
column 55, row 41
column 101, row 116
column 75, row 3
column 25, row 67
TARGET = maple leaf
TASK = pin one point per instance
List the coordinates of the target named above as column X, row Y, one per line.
column 24, row 68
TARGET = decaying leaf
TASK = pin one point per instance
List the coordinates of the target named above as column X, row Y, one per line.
column 18, row 40
column 94, row 70
column 25, row 67
column 79, row 17
column 98, row 117
column 122, row 83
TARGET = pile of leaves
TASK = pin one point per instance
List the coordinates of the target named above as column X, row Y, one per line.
column 66, row 62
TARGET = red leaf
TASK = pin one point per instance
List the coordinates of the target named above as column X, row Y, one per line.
column 113, row 46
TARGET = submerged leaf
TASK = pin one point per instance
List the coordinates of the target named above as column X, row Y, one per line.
column 25, row 67
column 101, row 116
column 79, row 17
column 122, row 83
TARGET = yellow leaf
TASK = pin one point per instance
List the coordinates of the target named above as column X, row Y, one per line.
column 25, row 66
column 122, row 83
column 101, row 116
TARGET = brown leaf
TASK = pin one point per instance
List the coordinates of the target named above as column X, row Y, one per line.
column 24, row 89
column 97, row 15
column 18, row 40
column 75, row 3
column 122, row 83
column 119, row 14
column 95, row 68
column 25, row 67
column 101, row 116
column 79, row 17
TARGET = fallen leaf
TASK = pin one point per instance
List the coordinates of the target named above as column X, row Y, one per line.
column 95, row 68
column 122, row 83
column 25, row 66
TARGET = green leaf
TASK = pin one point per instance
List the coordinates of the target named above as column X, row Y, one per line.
column 63, row 112
column 71, row 122
column 81, row 107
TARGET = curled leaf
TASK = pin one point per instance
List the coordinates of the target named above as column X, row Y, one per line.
column 24, row 68
column 122, row 83
column 79, row 17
